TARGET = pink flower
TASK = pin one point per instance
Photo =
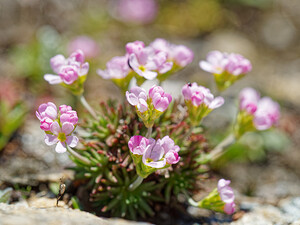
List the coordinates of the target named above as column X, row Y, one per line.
column 200, row 95
column 160, row 99
column 158, row 153
column 84, row 43
column 248, row 100
column 265, row 111
column 116, row 68
column 68, row 69
column 267, row 114
column 160, row 60
column 181, row 55
column 237, row 65
column 172, row 157
column 47, row 110
column 215, row 62
column 142, row 63
column 138, row 97
column 61, row 136
column 69, row 116
column 68, row 74
column 135, row 47
column 229, row 208
column 219, row 62
column 227, row 195
column 138, row 144
column 136, row 11
column 58, row 126
column 46, row 123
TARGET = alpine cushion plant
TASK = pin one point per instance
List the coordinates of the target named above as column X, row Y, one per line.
column 135, row 160
column 227, row 68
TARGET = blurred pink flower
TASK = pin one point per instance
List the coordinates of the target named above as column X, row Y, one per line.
column 227, row 195
column 265, row 111
column 86, row 44
column 116, row 68
column 136, row 11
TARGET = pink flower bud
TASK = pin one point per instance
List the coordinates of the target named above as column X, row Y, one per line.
column 134, row 47
column 160, row 99
column 69, row 74
column 69, row 116
column 172, row 157
column 47, row 110
column 46, row 123
column 199, row 95
column 77, row 56
column 137, row 144
column 64, row 108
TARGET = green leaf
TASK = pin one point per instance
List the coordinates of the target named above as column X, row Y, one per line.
column 5, row 195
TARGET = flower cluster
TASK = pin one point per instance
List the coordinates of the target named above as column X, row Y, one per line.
column 158, row 60
column 221, row 199
column 150, row 155
column 71, row 72
column 149, row 107
column 226, row 68
column 58, row 125
column 255, row 113
column 200, row 101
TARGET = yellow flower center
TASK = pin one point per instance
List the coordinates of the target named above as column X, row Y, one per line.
column 62, row 137
column 142, row 68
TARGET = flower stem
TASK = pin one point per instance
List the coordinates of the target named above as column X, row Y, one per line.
column 220, row 148
column 191, row 201
column 87, row 106
column 136, row 183
column 76, row 155
column 149, row 132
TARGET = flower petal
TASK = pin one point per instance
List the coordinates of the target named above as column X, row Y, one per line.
column 84, row 69
column 67, row 128
column 60, row 148
column 72, row 141
column 52, row 79
column 55, row 128
column 50, row 139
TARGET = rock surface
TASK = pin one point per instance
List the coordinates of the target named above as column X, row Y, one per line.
column 22, row 214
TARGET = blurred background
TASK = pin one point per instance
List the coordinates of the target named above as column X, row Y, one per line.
column 264, row 31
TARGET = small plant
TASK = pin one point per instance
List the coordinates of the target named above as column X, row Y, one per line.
column 151, row 148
